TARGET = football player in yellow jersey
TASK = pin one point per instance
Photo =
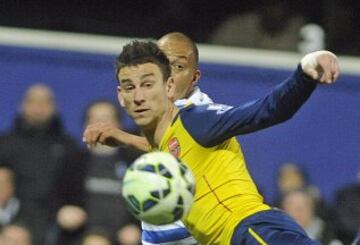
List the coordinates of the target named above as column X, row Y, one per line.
column 183, row 55
column 227, row 209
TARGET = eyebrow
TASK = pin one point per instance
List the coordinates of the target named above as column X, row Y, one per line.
column 147, row 75
column 182, row 57
column 127, row 80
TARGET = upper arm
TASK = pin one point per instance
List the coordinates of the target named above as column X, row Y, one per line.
column 212, row 124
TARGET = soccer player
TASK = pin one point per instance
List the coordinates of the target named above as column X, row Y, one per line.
column 184, row 61
column 228, row 208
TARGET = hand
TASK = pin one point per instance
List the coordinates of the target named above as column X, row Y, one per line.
column 322, row 66
column 103, row 133
column 71, row 217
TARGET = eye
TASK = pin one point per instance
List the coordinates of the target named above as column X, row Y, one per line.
column 148, row 84
column 178, row 66
column 128, row 87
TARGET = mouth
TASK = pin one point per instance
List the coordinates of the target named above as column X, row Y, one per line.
column 140, row 110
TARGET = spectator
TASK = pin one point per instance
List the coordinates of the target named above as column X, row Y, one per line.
column 15, row 235
column 96, row 238
column 9, row 204
column 292, row 177
column 300, row 205
column 44, row 159
column 272, row 26
column 347, row 206
column 105, row 169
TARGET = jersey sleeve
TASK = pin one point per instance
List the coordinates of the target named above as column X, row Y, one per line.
column 212, row 124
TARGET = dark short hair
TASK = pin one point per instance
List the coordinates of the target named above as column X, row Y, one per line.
column 141, row 52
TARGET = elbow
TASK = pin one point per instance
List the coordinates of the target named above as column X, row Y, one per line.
column 283, row 117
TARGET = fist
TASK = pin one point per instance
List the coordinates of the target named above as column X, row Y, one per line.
column 102, row 133
column 322, row 66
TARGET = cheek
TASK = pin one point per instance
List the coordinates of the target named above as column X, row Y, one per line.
column 125, row 100
column 182, row 80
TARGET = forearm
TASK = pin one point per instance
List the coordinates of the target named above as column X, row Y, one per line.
column 285, row 100
column 134, row 141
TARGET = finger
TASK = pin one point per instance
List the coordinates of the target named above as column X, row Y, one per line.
column 107, row 136
column 95, row 138
column 336, row 70
column 91, row 136
column 86, row 136
column 103, row 137
column 326, row 67
column 92, row 133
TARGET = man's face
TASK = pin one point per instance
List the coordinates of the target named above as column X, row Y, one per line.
column 143, row 93
column 299, row 206
column 183, row 68
column 14, row 235
column 102, row 112
column 38, row 105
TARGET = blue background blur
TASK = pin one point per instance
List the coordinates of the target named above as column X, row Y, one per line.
column 324, row 136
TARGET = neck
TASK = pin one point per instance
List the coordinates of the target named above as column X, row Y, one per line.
column 155, row 133
column 190, row 92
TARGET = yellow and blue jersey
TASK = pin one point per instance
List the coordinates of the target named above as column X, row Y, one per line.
column 203, row 137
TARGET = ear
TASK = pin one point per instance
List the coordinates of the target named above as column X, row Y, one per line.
column 120, row 98
column 196, row 77
column 170, row 88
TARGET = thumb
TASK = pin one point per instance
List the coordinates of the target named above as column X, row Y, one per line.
column 312, row 73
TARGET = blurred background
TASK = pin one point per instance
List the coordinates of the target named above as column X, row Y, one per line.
column 246, row 48
column 199, row 19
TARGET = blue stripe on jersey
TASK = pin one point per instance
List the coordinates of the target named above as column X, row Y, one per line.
column 161, row 236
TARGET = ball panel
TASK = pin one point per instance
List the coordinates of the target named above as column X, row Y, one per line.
column 149, row 203
column 158, row 188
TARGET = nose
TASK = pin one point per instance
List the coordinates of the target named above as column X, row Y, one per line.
column 139, row 96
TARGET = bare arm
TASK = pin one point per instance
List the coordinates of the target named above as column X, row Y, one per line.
column 111, row 135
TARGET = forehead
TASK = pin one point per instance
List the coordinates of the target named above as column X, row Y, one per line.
column 176, row 49
column 101, row 108
column 39, row 93
column 139, row 72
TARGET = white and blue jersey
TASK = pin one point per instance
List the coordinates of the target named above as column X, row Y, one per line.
column 174, row 233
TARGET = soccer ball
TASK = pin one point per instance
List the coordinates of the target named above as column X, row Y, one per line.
column 158, row 188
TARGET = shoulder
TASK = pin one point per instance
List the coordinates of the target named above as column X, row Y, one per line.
column 205, row 122
column 197, row 97
column 202, row 110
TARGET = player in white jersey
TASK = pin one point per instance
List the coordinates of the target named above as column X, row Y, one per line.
column 184, row 57
column 197, row 97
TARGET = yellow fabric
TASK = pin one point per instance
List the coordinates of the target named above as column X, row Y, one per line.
column 225, row 192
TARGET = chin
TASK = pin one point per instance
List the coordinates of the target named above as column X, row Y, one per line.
column 142, row 122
